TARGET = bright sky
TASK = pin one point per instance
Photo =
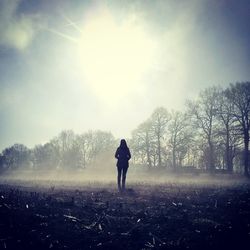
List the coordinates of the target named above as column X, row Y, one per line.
column 108, row 64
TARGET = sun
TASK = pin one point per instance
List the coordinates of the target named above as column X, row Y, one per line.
column 114, row 56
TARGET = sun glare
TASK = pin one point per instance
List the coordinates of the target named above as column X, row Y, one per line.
column 114, row 56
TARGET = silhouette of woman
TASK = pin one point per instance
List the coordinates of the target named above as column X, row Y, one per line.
column 122, row 155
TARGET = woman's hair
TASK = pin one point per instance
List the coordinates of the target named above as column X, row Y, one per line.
column 123, row 143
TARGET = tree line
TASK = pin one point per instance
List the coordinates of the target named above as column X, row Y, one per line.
column 67, row 151
column 211, row 133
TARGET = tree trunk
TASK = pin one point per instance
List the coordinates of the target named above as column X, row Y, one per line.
column 229, row 163
column 246, row 152
column 174, row 153
column 159, row 150
column 174, row 159
column 211, row 157
column 148, row 158
column 148, row 151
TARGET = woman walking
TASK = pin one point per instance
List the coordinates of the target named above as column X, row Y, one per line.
column 122, row 155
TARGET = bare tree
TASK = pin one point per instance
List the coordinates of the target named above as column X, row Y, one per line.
column 142, row 142
column 180, row 136
column 239, row 95
column 83, row 143
column 101, row 142
column 90, row 146
column 65, row 142
column 160, row 119
column 46, row 156
column 16, row 156
column 228, row 131
column 204, row 111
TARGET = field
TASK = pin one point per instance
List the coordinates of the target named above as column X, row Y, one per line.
column 167, row 215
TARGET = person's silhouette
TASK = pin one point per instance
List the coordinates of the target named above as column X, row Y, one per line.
column 122, row 155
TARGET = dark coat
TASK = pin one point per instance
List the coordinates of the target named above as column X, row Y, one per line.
column 123, row 155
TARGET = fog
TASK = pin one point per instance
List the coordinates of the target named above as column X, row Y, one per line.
column 137, row 179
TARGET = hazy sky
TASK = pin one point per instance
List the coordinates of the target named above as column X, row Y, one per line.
column 108, row 64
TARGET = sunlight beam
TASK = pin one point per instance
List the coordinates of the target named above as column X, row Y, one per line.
column 71, row 23
column 62, row 35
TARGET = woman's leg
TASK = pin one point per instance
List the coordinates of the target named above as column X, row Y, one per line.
column 124, row 173
column 119, row 178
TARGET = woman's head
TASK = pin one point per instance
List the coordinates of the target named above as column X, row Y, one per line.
column 123, row 143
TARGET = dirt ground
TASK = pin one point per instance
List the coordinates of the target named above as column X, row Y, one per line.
column 171, row 215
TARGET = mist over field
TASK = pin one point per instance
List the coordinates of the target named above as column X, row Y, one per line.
column 99, row 178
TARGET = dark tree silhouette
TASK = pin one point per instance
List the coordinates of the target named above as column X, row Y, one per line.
column 239, row 95
column 179, row 136
column 204, row 111
column 228, row 130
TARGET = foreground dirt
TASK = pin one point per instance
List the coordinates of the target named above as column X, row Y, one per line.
column 170, row 216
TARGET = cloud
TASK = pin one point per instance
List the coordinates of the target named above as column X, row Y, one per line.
column 17, row 30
